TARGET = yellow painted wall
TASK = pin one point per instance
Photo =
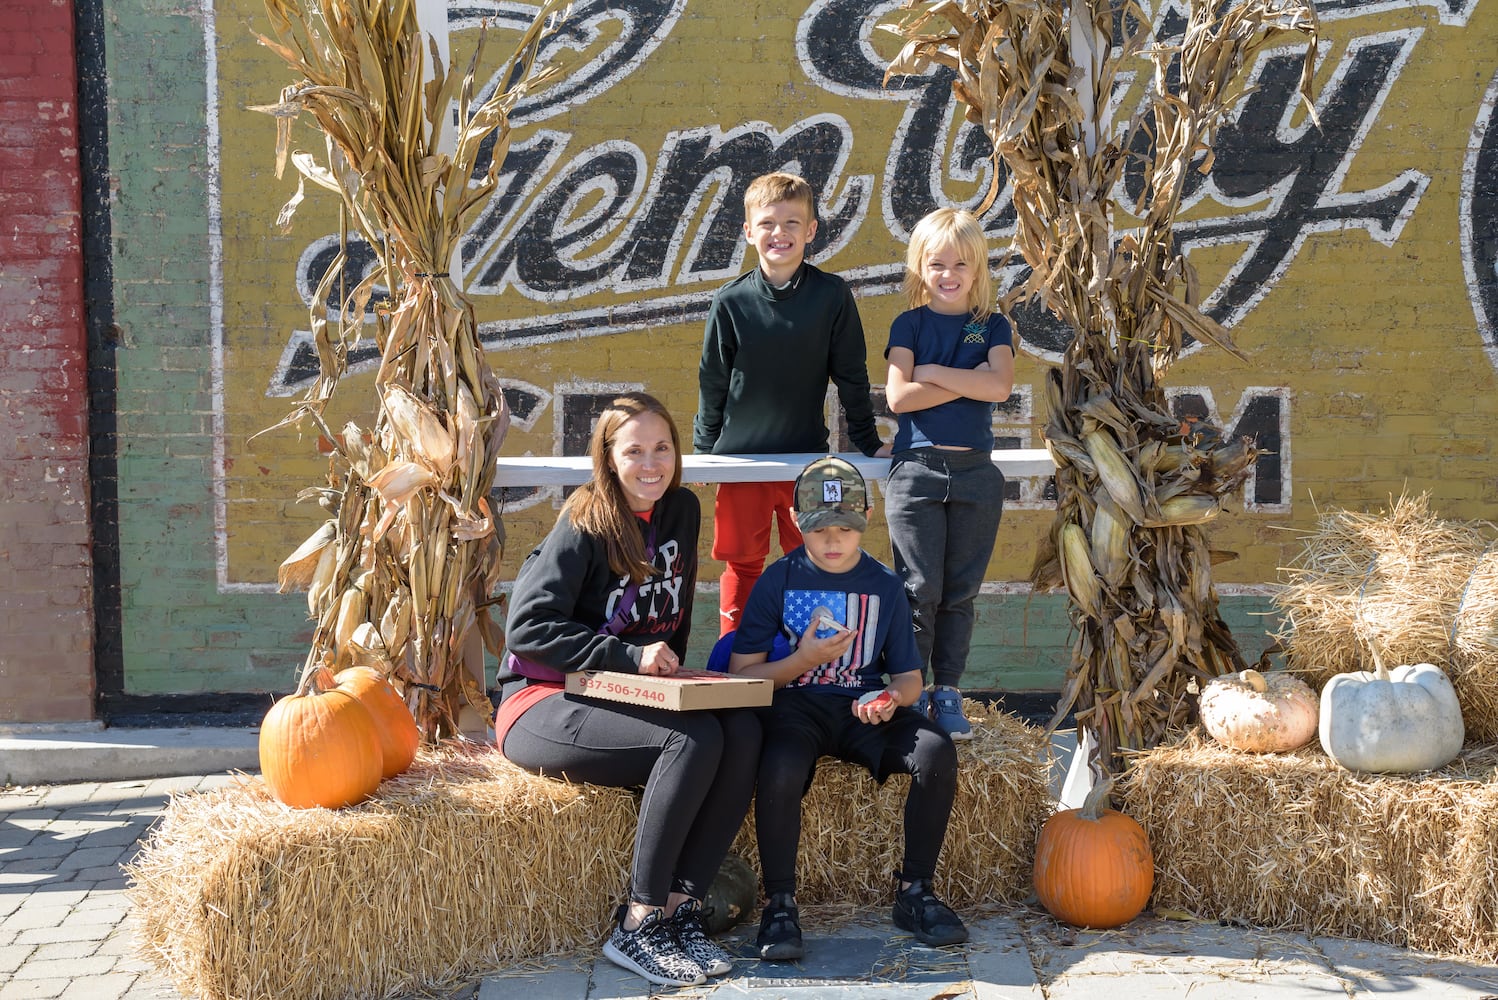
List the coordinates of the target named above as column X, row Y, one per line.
column 1370, row 351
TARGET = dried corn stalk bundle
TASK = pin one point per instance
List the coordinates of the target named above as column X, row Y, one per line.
column 1415, row 586
column 400, row 575
column 1133, row 489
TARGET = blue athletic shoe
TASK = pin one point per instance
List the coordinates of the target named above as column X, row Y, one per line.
column 946, row 711
column 923, row 704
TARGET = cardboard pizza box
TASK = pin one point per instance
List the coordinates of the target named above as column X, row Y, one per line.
column 683, row 692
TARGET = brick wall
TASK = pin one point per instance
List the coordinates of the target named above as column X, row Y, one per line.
column 1350, row 262
column 46, row 619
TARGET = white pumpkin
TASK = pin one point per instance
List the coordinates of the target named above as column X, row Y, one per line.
column 1260, row 713
column 1391, row 721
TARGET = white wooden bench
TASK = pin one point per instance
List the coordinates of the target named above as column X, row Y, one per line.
column 565, row 470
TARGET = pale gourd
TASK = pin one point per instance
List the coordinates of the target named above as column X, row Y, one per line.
column 1260, row 713
column 1391, row 721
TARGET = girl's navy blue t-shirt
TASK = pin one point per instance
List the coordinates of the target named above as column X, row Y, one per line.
column 954, row 342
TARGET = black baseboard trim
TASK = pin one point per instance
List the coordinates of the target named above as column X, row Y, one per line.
column 229, row 710
column 244, row 710
column 1035, row 707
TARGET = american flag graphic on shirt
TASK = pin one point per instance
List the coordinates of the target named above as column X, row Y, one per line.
column 859, row 612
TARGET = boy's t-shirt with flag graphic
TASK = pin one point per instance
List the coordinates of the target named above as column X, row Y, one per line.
column 869, row 599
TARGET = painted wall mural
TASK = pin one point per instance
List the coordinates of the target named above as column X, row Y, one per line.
column 1354, row 262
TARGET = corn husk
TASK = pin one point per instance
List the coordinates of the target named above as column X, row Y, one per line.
column 1109, row 541
column 1115, row 473
column 1182, row 510
column 415, row 426
column 299, row 569
column 1078, row 571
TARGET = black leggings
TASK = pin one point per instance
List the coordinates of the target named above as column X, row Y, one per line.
column 804, row 726
column 696, row 768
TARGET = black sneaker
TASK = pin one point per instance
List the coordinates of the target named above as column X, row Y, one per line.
column 651, row 950
column 780, row 930
column 931, row 921
column 686, row 924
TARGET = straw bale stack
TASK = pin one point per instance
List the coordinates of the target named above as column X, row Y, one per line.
column 1417, row 588
column 1295, row 841
column 851, row 830
column 465, row 863
column 238, row 896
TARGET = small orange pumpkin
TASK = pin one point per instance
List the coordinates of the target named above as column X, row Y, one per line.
column 1093, row 866
column 319, row 747
column 393, row 721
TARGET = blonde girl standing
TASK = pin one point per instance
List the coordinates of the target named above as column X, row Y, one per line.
column 951, row 358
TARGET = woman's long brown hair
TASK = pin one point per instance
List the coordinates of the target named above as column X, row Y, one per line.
column 599, row 506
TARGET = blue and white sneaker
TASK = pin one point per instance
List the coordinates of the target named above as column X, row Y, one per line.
column 923, row 704
column 946, row 711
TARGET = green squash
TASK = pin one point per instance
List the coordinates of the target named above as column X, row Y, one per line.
column 732, row 896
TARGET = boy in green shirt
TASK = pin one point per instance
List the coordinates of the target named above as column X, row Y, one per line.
column 774, row 337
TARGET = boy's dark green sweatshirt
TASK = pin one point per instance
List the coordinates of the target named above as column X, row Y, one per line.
column 767, row 354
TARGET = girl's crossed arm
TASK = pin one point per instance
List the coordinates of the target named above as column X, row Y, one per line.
column 991, row 381
column 911, row 387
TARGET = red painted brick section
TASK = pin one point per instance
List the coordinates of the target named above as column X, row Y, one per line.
column 46, row 610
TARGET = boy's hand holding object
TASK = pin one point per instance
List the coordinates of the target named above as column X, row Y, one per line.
column 875, row 707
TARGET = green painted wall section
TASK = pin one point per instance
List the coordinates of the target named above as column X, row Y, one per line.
column 180, row 635
column 1023, row 643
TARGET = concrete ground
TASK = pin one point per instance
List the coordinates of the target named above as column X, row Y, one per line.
column 65, row 925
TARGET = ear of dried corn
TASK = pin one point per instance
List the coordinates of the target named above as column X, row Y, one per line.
column 1078, row 571
column 402, row 574
column 1133, row 488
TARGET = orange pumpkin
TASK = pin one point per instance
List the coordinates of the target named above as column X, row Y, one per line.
column 1093, row 866
column 393, row 721
column 320, row 748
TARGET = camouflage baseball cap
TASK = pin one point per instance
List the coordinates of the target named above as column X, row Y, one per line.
column 830, row 493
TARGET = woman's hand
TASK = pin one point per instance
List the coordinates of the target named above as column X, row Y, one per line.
column 659, row 659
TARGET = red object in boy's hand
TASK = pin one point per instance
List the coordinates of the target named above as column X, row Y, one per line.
column 876, row 699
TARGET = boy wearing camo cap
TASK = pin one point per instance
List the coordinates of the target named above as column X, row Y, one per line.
column 847, row 618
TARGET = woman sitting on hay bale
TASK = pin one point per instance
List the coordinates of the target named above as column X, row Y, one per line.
column 611, row 588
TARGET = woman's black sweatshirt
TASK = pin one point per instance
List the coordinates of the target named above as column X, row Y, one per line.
column 565, row 592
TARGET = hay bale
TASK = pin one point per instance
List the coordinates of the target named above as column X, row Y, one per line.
column 1294, row 841
column 466, row 864
column 1417, row 588
column 1473, row 665
column 852, row 831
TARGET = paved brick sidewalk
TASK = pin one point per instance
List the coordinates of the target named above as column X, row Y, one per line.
column 64, row 932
